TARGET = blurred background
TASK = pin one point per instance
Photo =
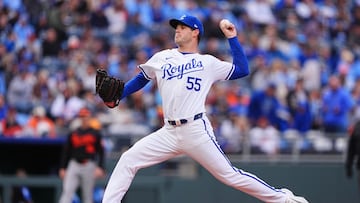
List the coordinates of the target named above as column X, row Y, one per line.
column 288, row 121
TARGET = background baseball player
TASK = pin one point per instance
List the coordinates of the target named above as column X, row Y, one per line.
column 184, row 77
column 82, row 161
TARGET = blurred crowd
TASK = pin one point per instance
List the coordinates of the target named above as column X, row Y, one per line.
column 303, row 89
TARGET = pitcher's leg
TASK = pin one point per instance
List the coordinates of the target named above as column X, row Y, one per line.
column 150, row 150
column 211, row 157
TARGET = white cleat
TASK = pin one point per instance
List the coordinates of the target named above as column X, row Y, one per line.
column 291, row 198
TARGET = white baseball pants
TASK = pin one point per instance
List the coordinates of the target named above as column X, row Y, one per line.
column 195, row 139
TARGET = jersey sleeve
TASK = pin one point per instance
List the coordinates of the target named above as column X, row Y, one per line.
column 148, row 68
column 221, row 70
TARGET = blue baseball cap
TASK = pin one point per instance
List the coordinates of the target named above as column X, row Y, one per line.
column 190, row 21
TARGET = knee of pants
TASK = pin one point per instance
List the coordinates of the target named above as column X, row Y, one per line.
column 126, row 157
column 127, row 160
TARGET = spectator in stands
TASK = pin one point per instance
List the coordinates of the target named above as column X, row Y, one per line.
column 39, row 124
column 23, row 30
column 348, row 68
column 298, row 103
column 19, row 94
column 237, row 100
column 156, row 12
column 290, row 46
column 306, row 9
column 311, row 70
column 217, row 102
column 336, row 106
column 172, row 9
column 5, row 61
column 271, row 42
column 264, row 138
column 231, row 133
column 117, row 16
column 259, row 77
column 260, row 12
column 25, row 58
column 88, row 78
column 284, row 9
column 61, row 127
column 134, row 29
column 278, row 76
column 345, row 64
column 77, row 64
column 5, row 26
column 10, row 126
column 82, row 160
column 308, row 49
column 315, row 108
column 126, row 125
column 56, row 18
column 98, row 20
column 328, row 60
column 34, row 47
column 77, row 16
column 51, row 45
column 10, row 41
column 42, row 92
column 114, row 59
column 264, row 104
column 66, row 104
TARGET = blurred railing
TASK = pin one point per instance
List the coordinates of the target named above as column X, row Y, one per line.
column 314, row 146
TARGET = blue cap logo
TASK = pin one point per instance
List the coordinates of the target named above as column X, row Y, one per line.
column 190, row 21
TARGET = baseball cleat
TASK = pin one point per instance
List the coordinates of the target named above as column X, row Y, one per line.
column 291, row 198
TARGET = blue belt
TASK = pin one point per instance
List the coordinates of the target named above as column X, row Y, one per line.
column 183, row 121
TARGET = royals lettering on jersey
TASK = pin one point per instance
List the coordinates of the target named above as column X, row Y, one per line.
column 184, row 80
column 178, row 71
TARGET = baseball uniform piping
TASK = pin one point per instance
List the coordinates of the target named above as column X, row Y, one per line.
column 233, row 167
column 231, row 72
column 146, row 76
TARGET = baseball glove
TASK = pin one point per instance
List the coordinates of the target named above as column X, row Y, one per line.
column 109, row 88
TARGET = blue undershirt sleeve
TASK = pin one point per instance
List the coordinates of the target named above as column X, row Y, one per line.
column 134, row 85
column 240, row 62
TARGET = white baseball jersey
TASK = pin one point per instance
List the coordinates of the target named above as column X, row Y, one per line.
column 184, row 80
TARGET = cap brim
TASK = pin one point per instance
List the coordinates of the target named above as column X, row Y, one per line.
column 174, row 22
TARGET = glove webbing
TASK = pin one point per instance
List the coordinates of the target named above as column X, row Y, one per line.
column 102, row 77
column 114, row 87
